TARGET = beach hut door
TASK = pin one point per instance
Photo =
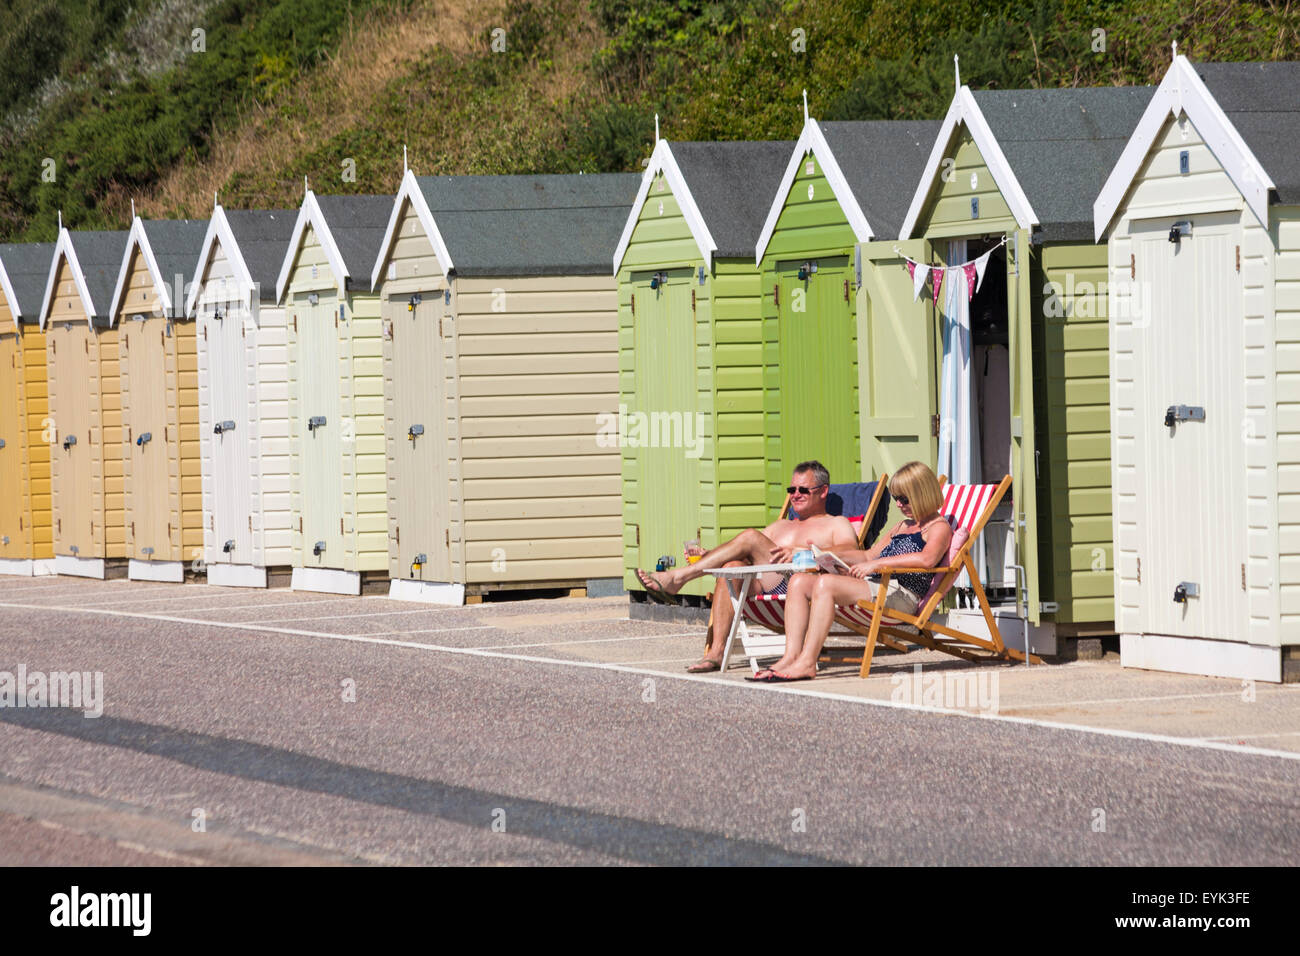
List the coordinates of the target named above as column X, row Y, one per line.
column 1024, row 460
column 896, row 376
column 320, row 431
column 12, row 528
column 144, row 352
column 1192, row 435
column 74, row 387
column 232, row 458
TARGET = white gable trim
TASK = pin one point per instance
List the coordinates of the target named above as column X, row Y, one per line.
column 63, row 248
column 411, row 191
column 812, row 140
column 138, row 238
column 662, row 161
column 14, row 308
column 1182, row 91
column 964, row 110
column 218, row 231
column 310, row 213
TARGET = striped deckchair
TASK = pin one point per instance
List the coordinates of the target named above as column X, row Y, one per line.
column 762, row 628
column 968, row 509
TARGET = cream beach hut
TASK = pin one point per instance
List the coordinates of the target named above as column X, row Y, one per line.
column 1201, row 216
column 162, row 488
column 243, row 378
column 338, row 493
column 85, row 404
column 501, row 365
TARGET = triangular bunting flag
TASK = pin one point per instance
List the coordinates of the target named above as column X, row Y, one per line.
column 918, row 278
column 981, row 264
column 969, row 269
column 938, row 282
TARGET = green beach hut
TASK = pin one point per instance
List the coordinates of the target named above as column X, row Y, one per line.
column 1009, row 372
column 844, row 183
column 691, row 356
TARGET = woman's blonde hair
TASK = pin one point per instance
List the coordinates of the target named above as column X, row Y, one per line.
column 916, row 482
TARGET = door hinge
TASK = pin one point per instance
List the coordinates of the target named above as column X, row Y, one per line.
column 58, row 523
column 638, row 534
column 250, row 522
column 85, row 346
column 634, row 305
column 1132, row 265
column 447, row 538
column 846, row 290
column 205, row 333
column 399, row 533
column 776, row 294
column 54, row 347
column 20, row 522
column 440, row 318
column 1239, row 258
column 300, row 524
column 934, row 426
column 169, row 529
column 128, row 434
column 1243, row 577
column 132, row 529
column 162, row 337
column 295, row 322
column 1139, row 560
column 211, row 526
column 692, row 301
column 340, row 525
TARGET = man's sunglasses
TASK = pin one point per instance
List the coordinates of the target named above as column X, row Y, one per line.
column 801, row 490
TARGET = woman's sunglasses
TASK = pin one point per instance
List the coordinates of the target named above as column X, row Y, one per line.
column 901, row 499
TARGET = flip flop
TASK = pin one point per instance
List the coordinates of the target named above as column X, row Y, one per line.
column 764, row 676
column 778, row 678
column 654, row 588
column 704, row 666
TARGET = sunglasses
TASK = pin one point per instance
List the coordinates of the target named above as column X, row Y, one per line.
column 801, row 490
column 901, row 499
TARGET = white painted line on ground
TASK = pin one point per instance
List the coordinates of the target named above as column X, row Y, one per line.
column 434, row 630
column 1287, row 733
column 1124, row 700
column 594, row 640
column 330, row 617
column 1193, row 742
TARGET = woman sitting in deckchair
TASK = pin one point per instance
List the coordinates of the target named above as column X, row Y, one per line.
column 919, row 541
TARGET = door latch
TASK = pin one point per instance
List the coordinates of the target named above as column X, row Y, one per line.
column 1185, row 590
column 1183, row 413
column 223, row 427
column 318, row 548
column 315, row 422
column 414, row 432
column 144, row 439
column 69, row 441
column 419, row 562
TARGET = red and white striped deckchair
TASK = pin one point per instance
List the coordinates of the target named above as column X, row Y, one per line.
column 762, row 628
column 968, row 508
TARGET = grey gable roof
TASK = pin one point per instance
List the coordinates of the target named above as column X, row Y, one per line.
column 357, row 224
column 732, row 183
column 176, row 245
column 100, row 256
column 263, row 236
column 1262, row 101
column 28, row 266
column 1062, row 144
column 882, row 160
column 530, row 225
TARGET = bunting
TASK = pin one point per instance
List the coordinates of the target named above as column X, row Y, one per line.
column 972, row 271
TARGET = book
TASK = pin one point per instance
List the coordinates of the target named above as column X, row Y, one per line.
column 829, row 562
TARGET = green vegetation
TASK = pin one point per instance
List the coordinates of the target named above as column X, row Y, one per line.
column 118, row 97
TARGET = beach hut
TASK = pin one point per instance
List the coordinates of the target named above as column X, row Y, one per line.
column 693, row 372
column 844, row 183
column 1008, row 371
column 500, row 347
column 26, row 524
column 338, row 495
column 243, row 380
column 1201, row 215
column 162, row 489
column 85, row 410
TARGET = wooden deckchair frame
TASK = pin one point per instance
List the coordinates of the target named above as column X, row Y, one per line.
column 940, row 637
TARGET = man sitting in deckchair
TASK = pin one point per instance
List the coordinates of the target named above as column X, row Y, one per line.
column 775, row 544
